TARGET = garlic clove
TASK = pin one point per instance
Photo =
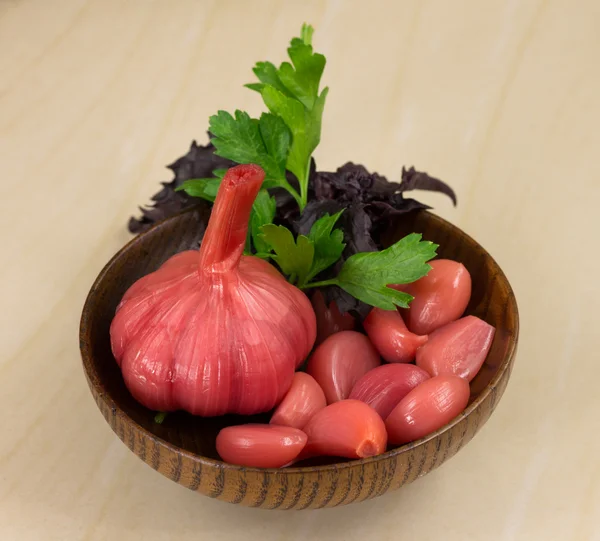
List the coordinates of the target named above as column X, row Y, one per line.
column 428, row 407
column 459, row 348
column 439, row 298
column 260, row 446
column 340, row 361
column 302, row 401
column 389, row 335
column 383, row 387
column 348, row 428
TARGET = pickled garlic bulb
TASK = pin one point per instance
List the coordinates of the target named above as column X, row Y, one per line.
column 214, row 331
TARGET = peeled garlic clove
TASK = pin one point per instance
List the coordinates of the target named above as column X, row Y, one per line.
column 439, row 298
column 383, row 387
column 260, row 446
column 428, row 407
column 389, row 335
column 348, row 428
column 301, row 402
column 340, row 361
column 459, row 348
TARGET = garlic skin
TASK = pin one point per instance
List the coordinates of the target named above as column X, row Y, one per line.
column 214, row 332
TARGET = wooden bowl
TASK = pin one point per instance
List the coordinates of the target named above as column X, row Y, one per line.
column 183, row 447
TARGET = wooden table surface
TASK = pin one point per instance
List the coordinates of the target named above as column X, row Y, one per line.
column 499, row 98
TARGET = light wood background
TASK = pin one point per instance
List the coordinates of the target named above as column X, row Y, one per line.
column 499, row 98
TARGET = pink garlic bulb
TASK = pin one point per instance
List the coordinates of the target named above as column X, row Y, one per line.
column 214, row 332
column 383, row 387
column 459, row 348
column 439, row 298
column 348, row 428
column 301, row 402
column 260, row 446
column 387, row 331
column 340, row 361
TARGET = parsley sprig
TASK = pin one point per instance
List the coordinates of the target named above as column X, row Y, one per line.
column 282, row 139
column 291, row 92
column 364, row 275
column 301, row 259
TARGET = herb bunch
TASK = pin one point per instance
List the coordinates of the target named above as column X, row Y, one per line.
column 295, row 214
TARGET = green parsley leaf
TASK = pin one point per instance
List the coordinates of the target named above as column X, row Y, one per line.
column 305, row 126
column 306, row 33
column 206, row 188
column 263, row 212
column 367, row 275
column 240, row 139
column 265, row 142
column 305, row 257
column 294, row 258
column 276, row 139
column 302, row 79
column 267, row 75
column 329, row 244
column 291, row 92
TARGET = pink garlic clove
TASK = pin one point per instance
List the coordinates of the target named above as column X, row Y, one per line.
column 439, row 298
column 391, row 338
column 302, row 401
column 340, row 361
column 348, row 428
column 459, row 348
column 383, row 387
column 260, row 446
column 428, row 407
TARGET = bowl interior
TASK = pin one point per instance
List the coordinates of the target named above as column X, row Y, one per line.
column 491, row 300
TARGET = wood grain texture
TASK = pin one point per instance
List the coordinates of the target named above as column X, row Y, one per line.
column 498, row 98
column 183, row 447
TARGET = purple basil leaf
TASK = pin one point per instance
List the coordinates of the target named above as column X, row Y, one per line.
column 417, row 180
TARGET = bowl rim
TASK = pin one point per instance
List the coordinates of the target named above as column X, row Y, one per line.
column 88, row 367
